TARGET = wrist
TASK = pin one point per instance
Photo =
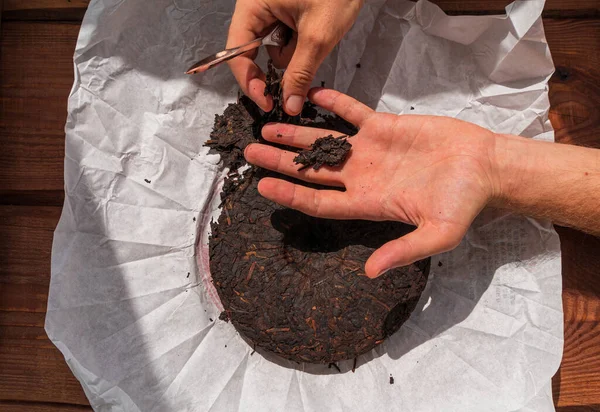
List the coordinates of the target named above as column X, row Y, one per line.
column 514, row 164
column 547, row 180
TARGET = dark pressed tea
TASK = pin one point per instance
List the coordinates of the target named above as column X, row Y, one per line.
column 293, row 284
column 329, row 150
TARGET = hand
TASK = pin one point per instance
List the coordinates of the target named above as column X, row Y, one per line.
column 319, row 25
column 432, row 172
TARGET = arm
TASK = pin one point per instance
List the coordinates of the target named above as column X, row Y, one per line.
column 550, row 181
column 433, row 172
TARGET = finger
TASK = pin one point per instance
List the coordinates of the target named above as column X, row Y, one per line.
column 425, row 241
column 328, row 204
column 246, row 26
column 282, row 56
column 297, row 136
column 341, row 104
column 252, row 81
column 282, row 161
column 311, row 50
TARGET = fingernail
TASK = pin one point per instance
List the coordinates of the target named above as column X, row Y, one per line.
column 294, row 104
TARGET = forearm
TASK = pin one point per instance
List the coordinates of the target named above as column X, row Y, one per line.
column 549, row 180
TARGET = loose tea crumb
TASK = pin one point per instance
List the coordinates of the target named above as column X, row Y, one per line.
column 391, row 379
column 335, row 366
column 273, row 88
column 358, row 65
column 329, row 150
column 147, row 181
column 292, row 284
column 211, row 319
column 440, row 264
column 188, row 275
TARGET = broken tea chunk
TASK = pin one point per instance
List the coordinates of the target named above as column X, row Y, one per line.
column 329, row 150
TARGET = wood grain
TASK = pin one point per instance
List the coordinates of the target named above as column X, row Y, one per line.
column 575, row 98
column 37, row 374
column 581, row 408
column 25, row 247
column 578, row 380
column 575, row 87
column 553, row 8
column 34, row 375
column 75, row 9
column 31, row 368
column 32, row 197
column 65, row 10
column 33, row 104
column 24, row 406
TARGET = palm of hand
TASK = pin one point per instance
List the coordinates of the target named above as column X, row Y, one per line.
column 428, row 171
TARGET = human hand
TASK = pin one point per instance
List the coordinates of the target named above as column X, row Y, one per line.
column 432, row 172
column 318, row 26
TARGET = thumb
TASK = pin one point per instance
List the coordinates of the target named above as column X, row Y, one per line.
column 311, row 50
column 425, row 241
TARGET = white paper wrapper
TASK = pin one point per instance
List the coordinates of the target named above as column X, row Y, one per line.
column 130, row 306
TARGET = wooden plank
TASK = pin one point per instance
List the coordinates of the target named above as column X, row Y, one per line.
column 578, row 380
column 575, row 87
column 584, row 408
column 74, row 9
column 15, row 5
column 31, row 367
column 65, row 10
column 553, row 8
column 20, row 406
column 25, row 246
column 18, row 334
column 575, row 97
column 581, row 266
column 33, row 104
column 37, row 374
column 32, row 197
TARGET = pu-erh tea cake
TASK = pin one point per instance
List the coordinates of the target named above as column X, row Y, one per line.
column 292, row 284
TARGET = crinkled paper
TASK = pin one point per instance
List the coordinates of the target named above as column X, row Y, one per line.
column 131, row 306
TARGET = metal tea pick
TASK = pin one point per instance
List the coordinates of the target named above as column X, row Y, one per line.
column 278, row 37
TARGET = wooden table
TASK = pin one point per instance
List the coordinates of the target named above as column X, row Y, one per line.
column 33, row 100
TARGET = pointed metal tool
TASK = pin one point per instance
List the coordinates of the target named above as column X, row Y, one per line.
column 280, row 36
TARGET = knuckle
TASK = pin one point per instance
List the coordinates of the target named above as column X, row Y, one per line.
column 300, row 77
column 334, row 101
column 316, row 40
column 409, row 248
column 450, row 237
column 350, row 108
column 277, row 160
column 294, row 198
column 455, row 241
column 316, row 204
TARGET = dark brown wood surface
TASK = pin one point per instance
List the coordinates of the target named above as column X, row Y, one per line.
column 33, row 374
